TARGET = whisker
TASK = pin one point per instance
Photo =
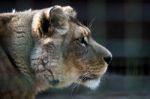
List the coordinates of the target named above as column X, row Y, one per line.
column 91, row 23
column 75, row 86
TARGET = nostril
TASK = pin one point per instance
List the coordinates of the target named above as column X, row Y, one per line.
column 107, row 59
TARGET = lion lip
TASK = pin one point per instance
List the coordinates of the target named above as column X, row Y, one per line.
column 54, row 82
column 88, row 77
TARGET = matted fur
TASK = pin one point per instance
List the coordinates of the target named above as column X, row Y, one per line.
column 47, row 48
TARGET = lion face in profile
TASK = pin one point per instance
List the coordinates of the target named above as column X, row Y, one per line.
column 64, row 51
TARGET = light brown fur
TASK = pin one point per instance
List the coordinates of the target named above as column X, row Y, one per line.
column 47, row 48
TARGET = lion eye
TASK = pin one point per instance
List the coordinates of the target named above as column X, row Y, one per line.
column 83, row 41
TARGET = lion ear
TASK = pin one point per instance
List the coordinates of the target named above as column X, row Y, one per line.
column 60, row 15
column 49, row 21
column 69, row 11
column 57, row 16
column 52, row 20
column 40, row 24
column 59, row 19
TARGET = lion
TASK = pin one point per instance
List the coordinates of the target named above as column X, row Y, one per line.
column 47, row 48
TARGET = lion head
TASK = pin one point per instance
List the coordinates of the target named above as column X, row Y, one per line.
column 64, row 51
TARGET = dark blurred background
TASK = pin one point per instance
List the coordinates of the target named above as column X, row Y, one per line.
column 123, row 26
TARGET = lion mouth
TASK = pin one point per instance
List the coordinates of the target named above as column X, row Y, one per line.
column 54, row 82
column 88, row 77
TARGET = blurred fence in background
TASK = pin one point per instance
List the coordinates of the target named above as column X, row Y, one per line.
column 120, row 25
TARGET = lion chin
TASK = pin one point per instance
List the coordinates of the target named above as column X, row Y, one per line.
column 47, row 48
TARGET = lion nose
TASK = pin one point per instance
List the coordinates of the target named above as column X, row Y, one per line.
column 108, row 59
column 107, row 56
